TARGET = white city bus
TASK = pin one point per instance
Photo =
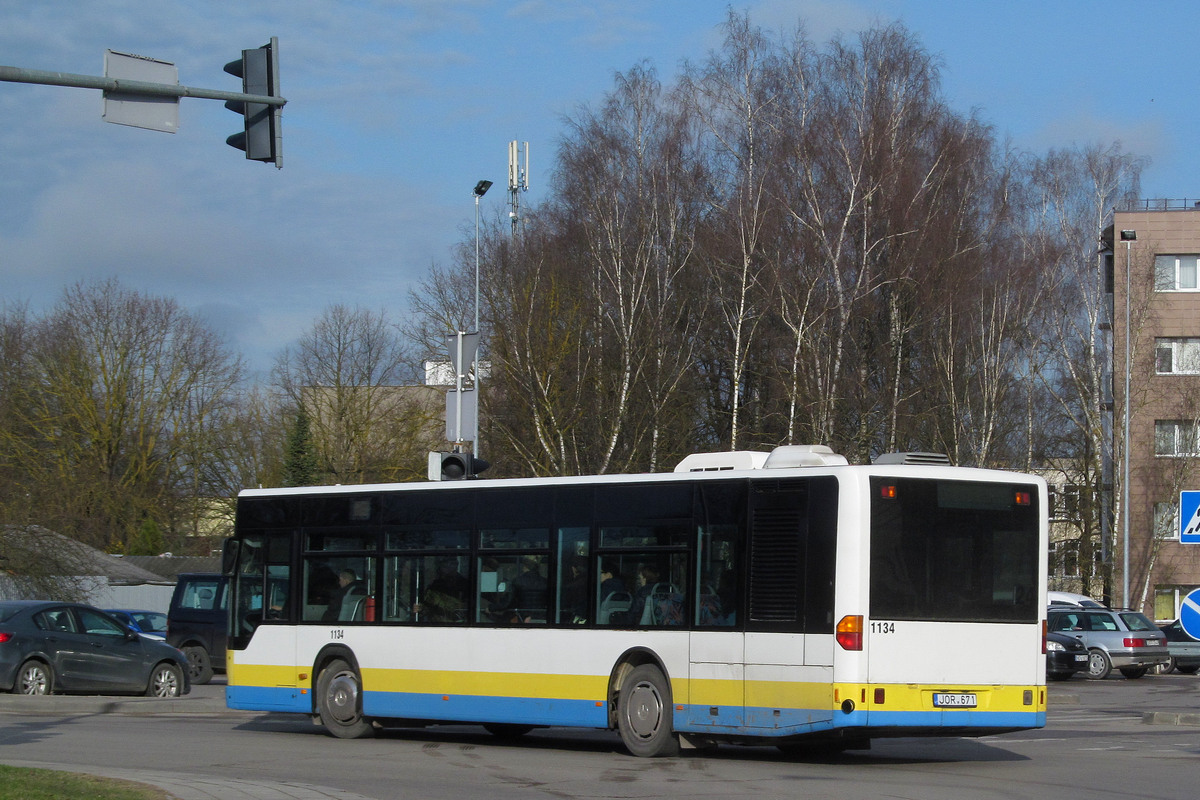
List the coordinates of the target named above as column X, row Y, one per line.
column 785, row 598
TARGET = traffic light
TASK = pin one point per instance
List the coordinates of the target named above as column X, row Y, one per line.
column 262, row 134
column 455, row 466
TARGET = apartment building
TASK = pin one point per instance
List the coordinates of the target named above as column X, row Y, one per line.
column 1152, row 260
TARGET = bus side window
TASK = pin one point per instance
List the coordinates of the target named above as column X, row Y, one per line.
column 572, row 589
column 717, row 569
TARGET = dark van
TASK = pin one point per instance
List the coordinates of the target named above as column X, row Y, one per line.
column 196, row 622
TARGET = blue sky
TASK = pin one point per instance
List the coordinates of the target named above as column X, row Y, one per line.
column 396, row 108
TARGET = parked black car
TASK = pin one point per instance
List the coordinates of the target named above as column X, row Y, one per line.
column 196, row 622
column 1185, row 651
column 48, row 647
column 1065, row 655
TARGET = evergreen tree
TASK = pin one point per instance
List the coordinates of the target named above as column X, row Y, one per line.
column 300, row 456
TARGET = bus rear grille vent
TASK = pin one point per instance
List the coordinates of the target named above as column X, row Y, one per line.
column 931, row 459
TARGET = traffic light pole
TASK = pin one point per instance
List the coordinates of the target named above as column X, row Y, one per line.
column 21, row 75
column 259, row 103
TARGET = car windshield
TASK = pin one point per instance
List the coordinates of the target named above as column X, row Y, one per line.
column 1137, row 622
column 152, row 621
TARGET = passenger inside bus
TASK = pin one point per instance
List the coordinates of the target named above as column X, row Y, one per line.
column 348, row 585
column 445, row 599
column 530, row 595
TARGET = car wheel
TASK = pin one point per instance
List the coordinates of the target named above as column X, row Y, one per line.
column 1099, row 664
column 1164, row 669
column 339, row 702
column 34, row 677
column 1188, row 670
column 200, row 669
column 166, row 680
column 1134, row 672
column 644, row 713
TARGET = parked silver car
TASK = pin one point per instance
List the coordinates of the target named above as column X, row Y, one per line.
column 1125, row 640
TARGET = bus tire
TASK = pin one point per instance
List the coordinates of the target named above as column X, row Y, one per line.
column 200, row 669
column 339, row 701
column 644, row 713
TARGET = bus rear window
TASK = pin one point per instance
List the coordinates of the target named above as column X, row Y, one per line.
column 953, row 551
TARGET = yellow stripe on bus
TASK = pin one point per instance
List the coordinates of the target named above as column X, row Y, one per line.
column 486, row 684
column 919, row 697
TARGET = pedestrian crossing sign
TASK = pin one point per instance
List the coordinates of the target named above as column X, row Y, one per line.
column 1189, row 517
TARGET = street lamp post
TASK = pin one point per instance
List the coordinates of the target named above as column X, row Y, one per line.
column 480, row 190
column 1128, row 237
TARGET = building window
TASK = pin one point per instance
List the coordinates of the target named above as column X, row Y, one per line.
column 1064, row 558
column 1175, row 273
column 1166, row 520
column 1168, row 600
column 1177, row 356
column 1175, row 437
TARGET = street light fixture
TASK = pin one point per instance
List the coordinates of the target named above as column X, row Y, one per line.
column 480, row 190
column 1128, row 237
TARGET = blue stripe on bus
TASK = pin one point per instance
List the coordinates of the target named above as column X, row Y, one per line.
column 268, row 698
column 959, row 718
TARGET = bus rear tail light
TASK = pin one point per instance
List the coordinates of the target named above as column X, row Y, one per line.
column 850, row 632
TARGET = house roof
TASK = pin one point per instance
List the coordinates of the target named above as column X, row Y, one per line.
column 22, row 546
column 169, row 566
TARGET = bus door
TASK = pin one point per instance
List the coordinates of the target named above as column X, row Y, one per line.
column 717, row 642
column 262, row 618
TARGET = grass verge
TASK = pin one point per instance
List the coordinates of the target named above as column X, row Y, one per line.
column 19, row 783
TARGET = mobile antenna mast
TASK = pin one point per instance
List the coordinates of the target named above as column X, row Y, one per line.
column 518, row 179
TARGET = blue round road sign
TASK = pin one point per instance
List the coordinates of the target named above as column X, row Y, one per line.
column 1189, row 614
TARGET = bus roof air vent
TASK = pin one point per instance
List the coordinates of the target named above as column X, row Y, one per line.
column 803, row 455
column 928, row 459
column 720, row 462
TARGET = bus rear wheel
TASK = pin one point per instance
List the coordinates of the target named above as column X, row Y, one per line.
column 339, row 701
column 644, row 713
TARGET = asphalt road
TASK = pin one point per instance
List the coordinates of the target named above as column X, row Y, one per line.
column 1105, row 739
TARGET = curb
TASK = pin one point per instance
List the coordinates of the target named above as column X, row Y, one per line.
column 1170, row 718
column 83, row 704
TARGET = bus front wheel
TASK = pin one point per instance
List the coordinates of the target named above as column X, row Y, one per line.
column 339, row 701
column 644, row 713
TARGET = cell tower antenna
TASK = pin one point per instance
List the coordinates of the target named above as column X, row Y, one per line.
column 518, row 179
